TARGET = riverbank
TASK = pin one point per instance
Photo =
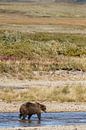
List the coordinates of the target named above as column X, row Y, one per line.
column 51, row 107
column 74, row 127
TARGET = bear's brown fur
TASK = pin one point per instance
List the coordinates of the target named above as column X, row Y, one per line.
column 29, row 108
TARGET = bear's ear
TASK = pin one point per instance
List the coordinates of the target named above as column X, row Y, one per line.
column 38, row 103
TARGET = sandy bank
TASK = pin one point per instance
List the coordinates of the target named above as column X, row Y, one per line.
column 51, row 106
column 79, row 127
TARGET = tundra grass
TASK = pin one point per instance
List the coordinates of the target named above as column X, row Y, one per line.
column 44, row 10
column 60, row 94
column 50, row 44
column 27, row 52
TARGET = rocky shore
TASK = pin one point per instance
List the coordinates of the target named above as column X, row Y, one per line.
column 51, row 107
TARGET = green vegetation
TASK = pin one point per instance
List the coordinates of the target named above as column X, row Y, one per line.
column 24, row 45
column 60, row 94
column 41, row 51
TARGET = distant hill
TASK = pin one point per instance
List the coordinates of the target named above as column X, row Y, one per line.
column 68, row 1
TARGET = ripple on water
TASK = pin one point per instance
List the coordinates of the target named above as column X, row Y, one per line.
column 48, row 119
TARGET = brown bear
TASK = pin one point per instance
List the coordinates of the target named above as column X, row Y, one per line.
column 29, row 108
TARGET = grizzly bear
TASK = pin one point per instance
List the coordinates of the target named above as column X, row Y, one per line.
column 29, row 108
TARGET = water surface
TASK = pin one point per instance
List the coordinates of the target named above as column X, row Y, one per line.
column 48, row 119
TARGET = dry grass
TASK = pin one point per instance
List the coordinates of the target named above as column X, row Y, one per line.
column 60, row 94
column 44, row 10
column 24, row 69
column 41, row 14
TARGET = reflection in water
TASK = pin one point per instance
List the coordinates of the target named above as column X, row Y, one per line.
column 50, row 119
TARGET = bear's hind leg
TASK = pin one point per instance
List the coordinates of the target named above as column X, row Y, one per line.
column 39, row 116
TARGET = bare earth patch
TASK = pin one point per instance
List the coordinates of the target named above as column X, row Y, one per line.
column 19, row 19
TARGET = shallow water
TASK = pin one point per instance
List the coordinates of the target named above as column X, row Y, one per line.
column 48, row 119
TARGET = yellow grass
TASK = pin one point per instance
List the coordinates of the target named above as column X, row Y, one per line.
column 60, row 94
